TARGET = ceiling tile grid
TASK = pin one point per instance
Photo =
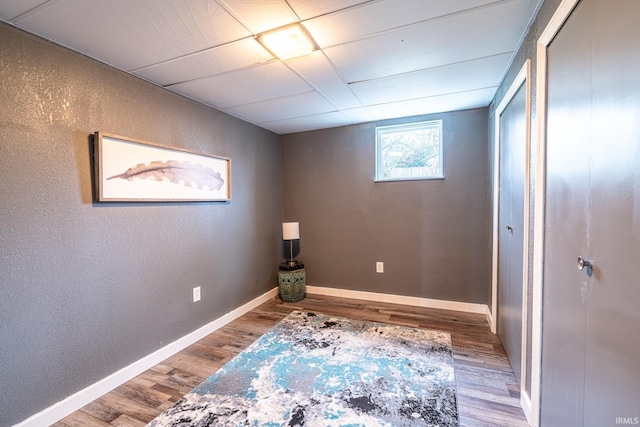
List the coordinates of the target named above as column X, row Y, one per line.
column 221, row 59
column 373, row 18
column 318, row 71
column 266, row 81
column 436, row 81
column 299, row 105
column 375, row 59
column 133, row 34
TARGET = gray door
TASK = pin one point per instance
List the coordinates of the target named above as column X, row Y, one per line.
column 591, row 337
column 513, row 139
column 566, row 223
column 612, row 382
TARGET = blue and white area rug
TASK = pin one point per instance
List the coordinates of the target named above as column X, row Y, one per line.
column 317, row 370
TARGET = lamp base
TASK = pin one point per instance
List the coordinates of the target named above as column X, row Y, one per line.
column 291, row 265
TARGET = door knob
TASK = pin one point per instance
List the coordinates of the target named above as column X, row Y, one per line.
column 584, row 264
column 509, row 228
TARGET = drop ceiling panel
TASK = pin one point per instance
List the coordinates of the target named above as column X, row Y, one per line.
column 306, row 9
column 320, row 74
column 10, row 9
column 481, row 32
column 228, row 57
column 460, row 77
column 379, row 16
column 294, row 106
column 262, row 15
column 359, row 115
column 302, row 124
column 436, row 104
column 134, row 34
column 254, row 84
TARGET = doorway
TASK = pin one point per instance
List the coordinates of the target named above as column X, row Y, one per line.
column 588, row 228
column 511, row 227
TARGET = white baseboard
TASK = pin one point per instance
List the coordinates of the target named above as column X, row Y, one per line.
column 76, row 401
column 489, row 316
column 401, row 299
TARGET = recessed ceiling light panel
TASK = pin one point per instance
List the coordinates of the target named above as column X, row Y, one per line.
column 288, row 42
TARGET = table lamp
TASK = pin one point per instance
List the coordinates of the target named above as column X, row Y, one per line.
column 291, row 232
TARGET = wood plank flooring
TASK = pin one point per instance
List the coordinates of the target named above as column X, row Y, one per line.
column 488, row 394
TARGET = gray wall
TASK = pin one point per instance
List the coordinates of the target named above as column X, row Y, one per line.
column 86, row 289
column 432, row 235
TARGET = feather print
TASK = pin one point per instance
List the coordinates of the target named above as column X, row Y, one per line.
column 182, row 173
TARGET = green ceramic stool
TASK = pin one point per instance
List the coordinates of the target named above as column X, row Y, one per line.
column 292, row 281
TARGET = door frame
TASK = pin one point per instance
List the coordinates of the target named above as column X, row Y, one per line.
column 553, row 27
column 523, row 78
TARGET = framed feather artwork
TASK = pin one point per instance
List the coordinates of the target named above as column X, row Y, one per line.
column 129, row 170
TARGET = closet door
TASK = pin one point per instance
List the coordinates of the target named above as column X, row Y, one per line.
column 513, row 141
column 612, row 372
column 591, row 318
column 567, row 224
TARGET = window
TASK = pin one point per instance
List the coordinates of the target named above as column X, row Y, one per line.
column 409, row 151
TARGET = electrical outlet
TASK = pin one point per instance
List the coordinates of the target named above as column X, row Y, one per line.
column 196, row 294
column 379, row 267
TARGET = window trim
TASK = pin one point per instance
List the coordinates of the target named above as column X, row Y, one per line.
column 381, row 130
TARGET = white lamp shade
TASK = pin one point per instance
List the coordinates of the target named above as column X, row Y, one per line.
column 290, row 230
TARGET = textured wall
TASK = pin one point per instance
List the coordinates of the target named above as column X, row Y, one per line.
column 86, row 289
column 432, row 235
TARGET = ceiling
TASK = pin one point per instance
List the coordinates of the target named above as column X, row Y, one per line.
column 376, row 59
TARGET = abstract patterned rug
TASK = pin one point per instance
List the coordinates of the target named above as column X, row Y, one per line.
column 317, row 370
